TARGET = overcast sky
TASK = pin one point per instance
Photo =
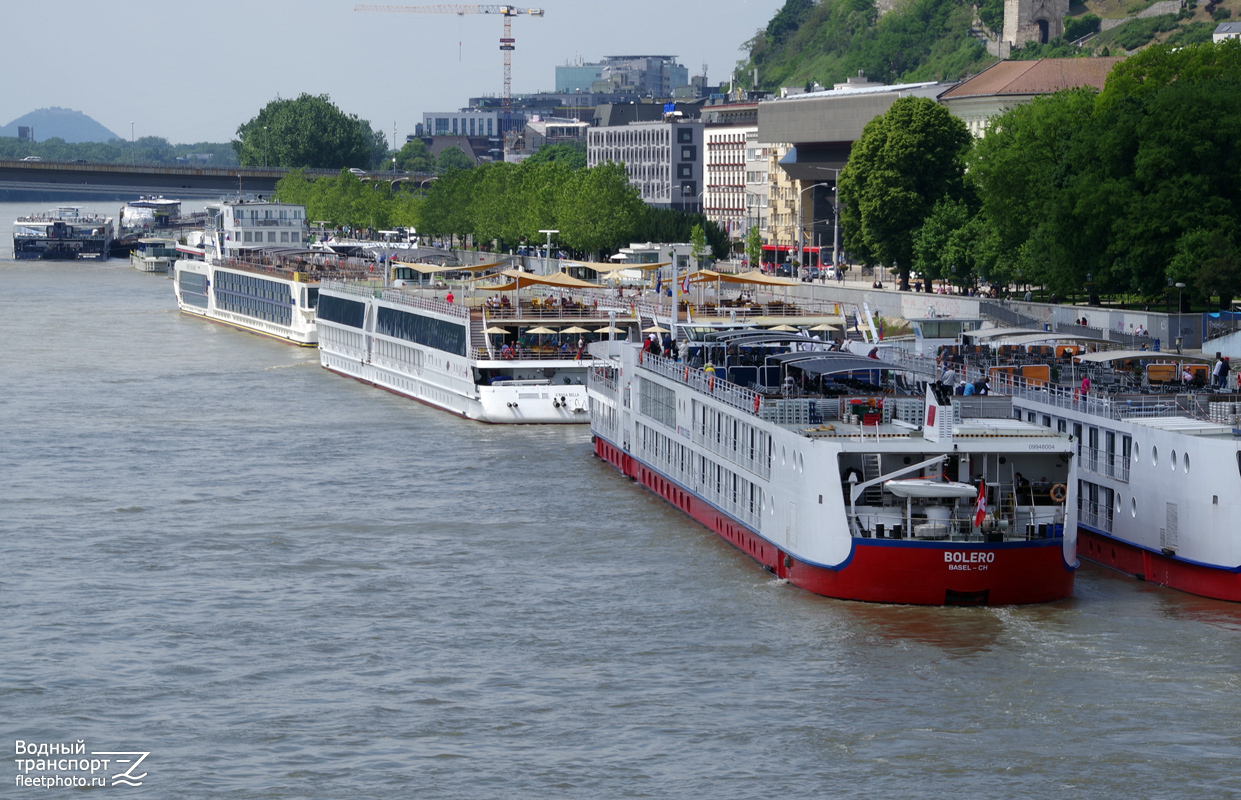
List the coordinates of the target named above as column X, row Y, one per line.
column 193, row 72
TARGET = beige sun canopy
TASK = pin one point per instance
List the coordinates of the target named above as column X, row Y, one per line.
column 753, row 276
column 518, row 280
column 431, row 269
column 605, row 267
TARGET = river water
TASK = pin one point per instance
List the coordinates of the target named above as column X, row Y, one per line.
column 284, row 584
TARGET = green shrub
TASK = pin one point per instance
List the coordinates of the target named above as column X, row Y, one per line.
column 1077, row 27
column 1220, row 14
column 1193, row 33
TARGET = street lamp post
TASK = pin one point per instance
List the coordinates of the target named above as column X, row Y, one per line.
column 800, row 225
column 548, row 252
column 835, row 214
column 264, row 147
column 1179, row 287
column 133, row 155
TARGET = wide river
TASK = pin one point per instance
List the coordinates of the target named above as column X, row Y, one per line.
column 281, row 583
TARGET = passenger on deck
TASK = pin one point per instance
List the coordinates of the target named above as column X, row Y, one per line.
column 874, row 353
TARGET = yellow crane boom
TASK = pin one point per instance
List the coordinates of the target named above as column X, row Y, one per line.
column 507, row 42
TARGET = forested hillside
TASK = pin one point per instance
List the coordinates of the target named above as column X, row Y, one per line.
column 829, row 40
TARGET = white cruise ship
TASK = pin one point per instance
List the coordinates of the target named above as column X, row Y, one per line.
column 249, row 269
column 1158, row 452
column 464, row 360
column 835, row 473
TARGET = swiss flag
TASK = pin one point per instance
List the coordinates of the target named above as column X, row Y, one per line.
column 981, row 505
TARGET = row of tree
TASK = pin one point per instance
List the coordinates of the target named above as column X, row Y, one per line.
column 595, row 209
column 344, row 200
column 1128, row 190
column 147, row 150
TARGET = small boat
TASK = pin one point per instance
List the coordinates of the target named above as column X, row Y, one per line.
column 929, row 487
column 153, row 255
column 62, row 234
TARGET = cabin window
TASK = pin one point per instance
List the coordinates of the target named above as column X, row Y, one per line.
column 1187, row 463
column 1173, row 461
column 1154, row 456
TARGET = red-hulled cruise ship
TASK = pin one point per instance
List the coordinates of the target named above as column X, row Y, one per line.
column 836, row 473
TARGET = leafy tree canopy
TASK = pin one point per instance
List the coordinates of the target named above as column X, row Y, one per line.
column 572, row 156
column 415, row 157
column 904, row 163
column 453, row 158
column 308, row 132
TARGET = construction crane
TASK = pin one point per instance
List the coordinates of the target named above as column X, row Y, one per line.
column 507, row 42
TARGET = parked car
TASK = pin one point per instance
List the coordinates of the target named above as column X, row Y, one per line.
column 32, row 158
column 810, row 273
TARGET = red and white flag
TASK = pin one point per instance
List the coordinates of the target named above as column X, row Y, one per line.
column 981, row 505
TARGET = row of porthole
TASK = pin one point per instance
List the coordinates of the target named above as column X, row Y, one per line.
column 799, row 463
column 1184, row 462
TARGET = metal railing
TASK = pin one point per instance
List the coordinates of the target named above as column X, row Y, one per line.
column 528, row 354
column 705, row 382
column 1096, row 515
column 399, row 297
column 1101, row 462
column 890, row 521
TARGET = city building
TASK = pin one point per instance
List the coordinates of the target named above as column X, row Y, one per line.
column 541, row 132
column 470, row 122
column 1037, row 21
column 724, row 201
column 1226, row 30
column 1002, row 86
column 757, row 184
column 663, row 159
column 646, row 76
column 808, row 136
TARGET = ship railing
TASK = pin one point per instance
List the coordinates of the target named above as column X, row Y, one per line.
column 574, row 311
column 529, row 354
column 602, row 378
column 890, row 522
column 289, row 269
column 1096, row 515
column 701, row 381
column 1101, row 462
column 771, row 306
column 373, row 290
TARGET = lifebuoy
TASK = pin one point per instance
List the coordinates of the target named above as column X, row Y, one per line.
column 755, row 404
column 711, row 384
column 687, row 374
column 1058, row 493
column 640, row 356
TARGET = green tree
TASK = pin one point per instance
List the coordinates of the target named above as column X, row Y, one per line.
column 1025, row 171
column 754, row 247
column 1209, row 260
column 904, row 163
column 307, row 132
column 599, row 208
column 698, row 240
column 572, row 156
column 453, row 158
column 415, row 157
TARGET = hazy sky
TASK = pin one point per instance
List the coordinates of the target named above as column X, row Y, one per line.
column 193, row 72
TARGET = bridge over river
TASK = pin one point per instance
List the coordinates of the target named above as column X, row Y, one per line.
column 52, row 181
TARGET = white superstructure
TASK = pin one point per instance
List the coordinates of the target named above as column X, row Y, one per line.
column 249, row 269
column 439, row 353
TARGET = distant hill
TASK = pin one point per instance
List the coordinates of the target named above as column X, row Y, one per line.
column 826, row 41
column 65, row 123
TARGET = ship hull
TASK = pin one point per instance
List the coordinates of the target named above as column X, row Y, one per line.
column 1158, row 568
column 883, row 571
